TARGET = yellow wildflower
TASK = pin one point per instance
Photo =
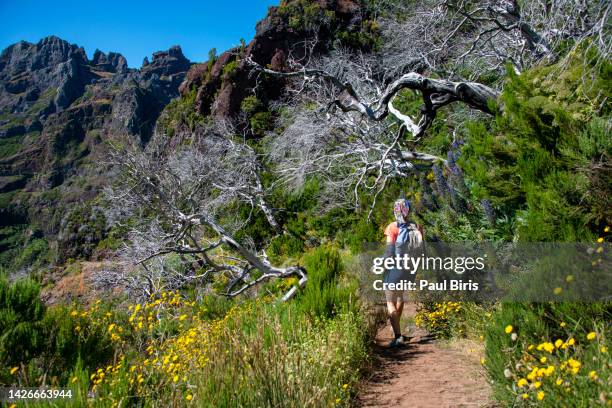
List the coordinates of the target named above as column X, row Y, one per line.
column 603, row 349
column 547, row 346
column 525, row 396
column 591, row 336
column 540, row 395
column 574, row 366
column 593, row 375
column 189, row 397
column 508, row 329
column 14, row 370
column 600, row 240
column 521, row 383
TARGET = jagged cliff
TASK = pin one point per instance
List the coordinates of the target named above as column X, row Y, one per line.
column 57, row 111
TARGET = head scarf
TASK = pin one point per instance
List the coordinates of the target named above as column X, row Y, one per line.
column 401, row 208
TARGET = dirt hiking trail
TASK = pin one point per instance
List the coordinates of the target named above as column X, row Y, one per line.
column 423, row 374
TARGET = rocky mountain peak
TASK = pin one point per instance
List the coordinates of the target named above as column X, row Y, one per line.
column 167, row 63
column 56, row 110
column 113, row 62
column 52, row 50
column 48, row 53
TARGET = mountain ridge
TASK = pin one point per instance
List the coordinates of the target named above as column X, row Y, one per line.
column 58, row 110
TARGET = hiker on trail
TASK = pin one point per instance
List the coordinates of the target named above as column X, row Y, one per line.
column 403, row 237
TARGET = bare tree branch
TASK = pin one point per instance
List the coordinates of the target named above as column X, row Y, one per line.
column 180, row 231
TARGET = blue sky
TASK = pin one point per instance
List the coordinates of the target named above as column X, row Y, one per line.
column 134, row 28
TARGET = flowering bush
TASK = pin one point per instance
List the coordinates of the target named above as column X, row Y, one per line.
column 441, row 319
column 550, row 355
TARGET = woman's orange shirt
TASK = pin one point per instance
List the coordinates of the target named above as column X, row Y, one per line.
column 392, row 231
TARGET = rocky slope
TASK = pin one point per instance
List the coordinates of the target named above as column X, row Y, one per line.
column 57, row 111
column 221, row 84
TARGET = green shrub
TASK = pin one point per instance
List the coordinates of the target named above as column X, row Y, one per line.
column 46, row 342
column 261, row 122
column 180, row 112
column 303, row 15
column 74, row 338
column 537, row 163
column 22, row 333
column 324, row 295
column 81, row 230
column 251, row 105
column 230, row 70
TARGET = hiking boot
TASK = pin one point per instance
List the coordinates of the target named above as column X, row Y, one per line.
column 397, row 342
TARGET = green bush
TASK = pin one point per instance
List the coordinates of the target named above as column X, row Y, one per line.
column 251, row 105
column 69, row 339
column 230, row 70
column 22, row 333
column 261, row 122
column 324, row 295
column 304, row 15
column 540, row 162
column 181, row 112
column 45, row 342
column 81, row 230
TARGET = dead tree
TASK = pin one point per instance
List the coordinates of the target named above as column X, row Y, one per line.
column 180, row 232
column 239, row 167
column 346, row 138
column 463, row 39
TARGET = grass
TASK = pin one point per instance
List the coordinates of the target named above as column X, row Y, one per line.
column 174, row 350
column 259, row 354
column 10, row 145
